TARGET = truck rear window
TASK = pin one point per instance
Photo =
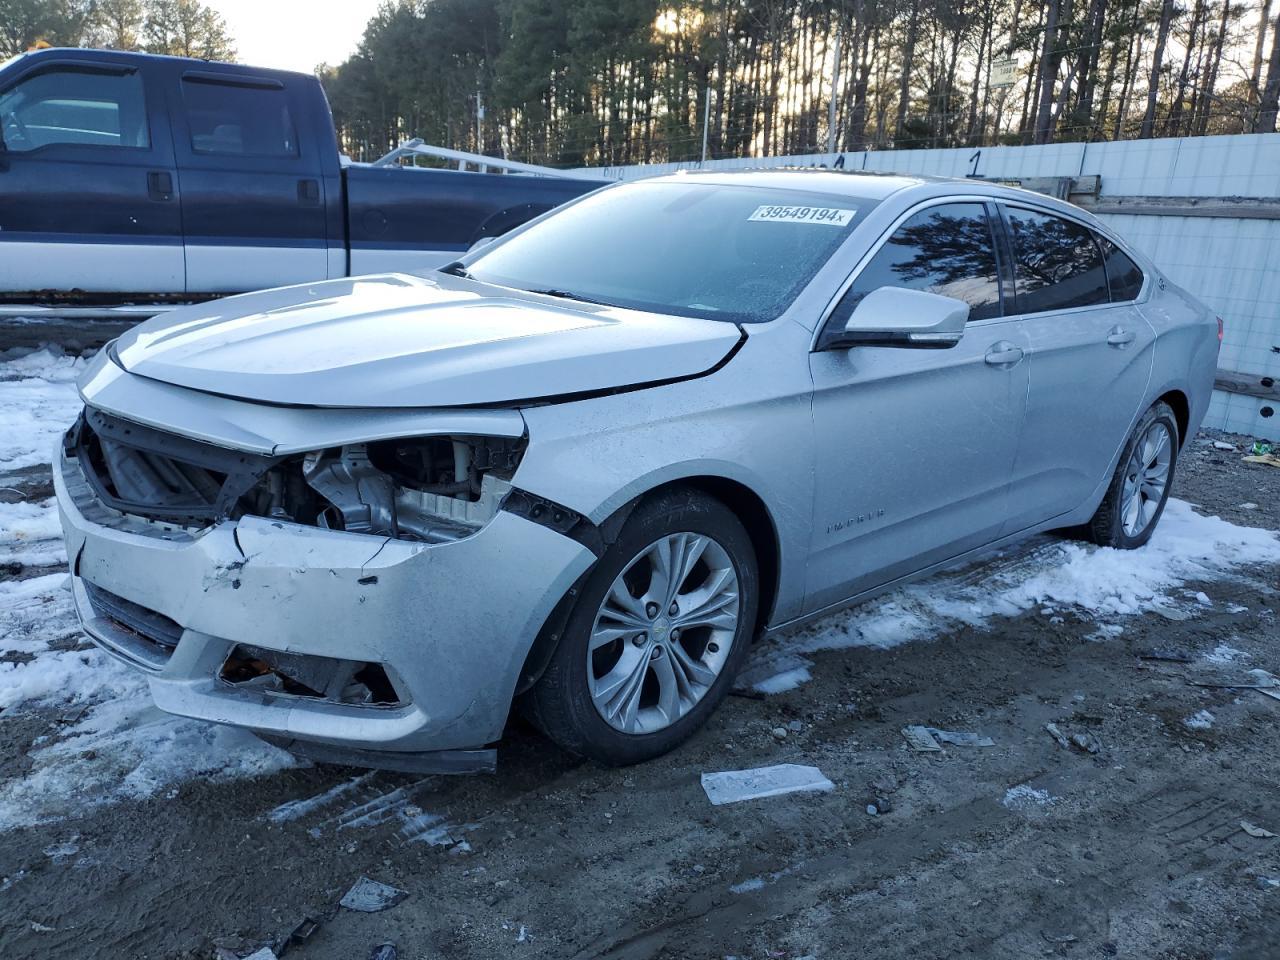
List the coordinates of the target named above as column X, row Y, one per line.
column 230, row 120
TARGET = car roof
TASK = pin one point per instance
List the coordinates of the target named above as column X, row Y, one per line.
column 869, row 185
column 856, row 184
column 96, row 55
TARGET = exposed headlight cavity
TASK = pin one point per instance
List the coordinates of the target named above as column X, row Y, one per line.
column 431, row 489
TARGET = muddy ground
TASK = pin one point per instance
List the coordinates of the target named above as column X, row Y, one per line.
column 1136, row 851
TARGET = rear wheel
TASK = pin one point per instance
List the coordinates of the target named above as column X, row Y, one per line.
column 1139, row 489
column 657, row 633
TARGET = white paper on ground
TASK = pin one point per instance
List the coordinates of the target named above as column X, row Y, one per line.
column 730, row 786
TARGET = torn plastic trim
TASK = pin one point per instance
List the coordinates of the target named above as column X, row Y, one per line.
column 432, row 761
column 554, row 516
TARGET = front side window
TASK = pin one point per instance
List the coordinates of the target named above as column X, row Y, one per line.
column 948, row 250
column 232, row 120
column 81, row 107
column 1123, row 275
column 1056, row 263
column 692, row 248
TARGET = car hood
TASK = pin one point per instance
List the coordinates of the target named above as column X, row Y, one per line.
column 405, row 341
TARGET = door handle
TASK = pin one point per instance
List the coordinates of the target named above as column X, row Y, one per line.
column 1003, row 354
column 159, row 185
column 1119, row 337
column 309, row 192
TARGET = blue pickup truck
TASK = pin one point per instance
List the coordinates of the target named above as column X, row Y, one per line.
column 128, row 177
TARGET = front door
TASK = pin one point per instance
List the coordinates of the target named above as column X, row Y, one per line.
column 253, row 190
column 1090, row 354
column 88, row 191
column 915, row 446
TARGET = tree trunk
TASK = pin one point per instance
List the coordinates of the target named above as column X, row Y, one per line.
column 908, row 58
column 1157, row 61
column 1267, row 107
column 1049, row 59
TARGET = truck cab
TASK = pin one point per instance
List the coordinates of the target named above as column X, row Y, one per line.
column 127, row 177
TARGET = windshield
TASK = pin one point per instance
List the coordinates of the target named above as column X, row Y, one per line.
column 738, row 253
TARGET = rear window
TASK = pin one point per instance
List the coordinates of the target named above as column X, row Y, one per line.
column 1057, row 263
column 231, row 120
column 1123, row 275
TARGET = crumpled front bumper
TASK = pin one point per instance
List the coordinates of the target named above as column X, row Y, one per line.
column 451, row 623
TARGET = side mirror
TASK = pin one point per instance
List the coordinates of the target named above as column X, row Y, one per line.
column 898, row 317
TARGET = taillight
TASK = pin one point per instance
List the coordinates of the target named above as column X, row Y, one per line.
column 1219, row 329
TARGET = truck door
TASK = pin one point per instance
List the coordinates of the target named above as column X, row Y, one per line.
column 253, row 189
column 88, row 191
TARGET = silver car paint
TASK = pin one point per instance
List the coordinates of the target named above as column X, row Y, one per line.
column 869, row 466
column 401, row 341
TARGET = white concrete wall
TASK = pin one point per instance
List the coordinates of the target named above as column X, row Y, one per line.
column 1233, row 265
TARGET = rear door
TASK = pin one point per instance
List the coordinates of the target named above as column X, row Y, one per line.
column 253, row 185
column 915, row 446
column 88, row 192
column 1090, row 353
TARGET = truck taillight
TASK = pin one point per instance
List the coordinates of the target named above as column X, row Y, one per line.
column 1219, row 329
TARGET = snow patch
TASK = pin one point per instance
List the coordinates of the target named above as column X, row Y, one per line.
column 1201, row 720
column 1095, row 582
column 1025, row 797
column 40, row 402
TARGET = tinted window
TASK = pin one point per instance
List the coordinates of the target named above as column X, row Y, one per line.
column 947, row 250
column 1123, row 275
column 231, row 120
column 692, row 248
column 74, row 106
column 1056, row 263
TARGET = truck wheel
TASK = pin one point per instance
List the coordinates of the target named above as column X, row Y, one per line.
column 656, row 636
column 1139, row 490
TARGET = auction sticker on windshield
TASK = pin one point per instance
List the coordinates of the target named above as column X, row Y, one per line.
column 831, row 216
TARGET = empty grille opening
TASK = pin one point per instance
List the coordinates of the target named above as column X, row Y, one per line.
column 352, row 682
column 154, row 629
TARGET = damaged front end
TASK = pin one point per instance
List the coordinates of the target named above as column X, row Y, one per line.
column 424, row 489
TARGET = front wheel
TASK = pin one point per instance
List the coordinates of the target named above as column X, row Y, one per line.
column 657, row 633
column 1139, row 489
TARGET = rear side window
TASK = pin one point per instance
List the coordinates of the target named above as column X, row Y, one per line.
column 83, row 107
column 1123, row 275
column 1056, row 263
column 947, row 250
column 231, row 120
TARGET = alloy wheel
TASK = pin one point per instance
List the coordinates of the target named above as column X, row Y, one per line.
column 1146, row 478
column 663, row 633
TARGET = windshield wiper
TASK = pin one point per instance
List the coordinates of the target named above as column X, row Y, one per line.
column 456, row 269
column 570, row 295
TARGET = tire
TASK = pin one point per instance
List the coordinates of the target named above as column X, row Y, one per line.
column 570, row 700
column 1113, row 524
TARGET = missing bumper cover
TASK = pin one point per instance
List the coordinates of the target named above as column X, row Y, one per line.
column 350, row 682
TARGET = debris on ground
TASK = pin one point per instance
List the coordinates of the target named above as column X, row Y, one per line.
column 266, row 953
column 731, row 786
column 1254, row 830
column 1162, row 653
column 921, row 740
column 384, row 951
column 1058, row 735
column 779, row 733
column 961, row 739
column 370, row 896
column 925, row 739
column 1253, row 680
column 1270, row 459
column 1261, row 448
column 1223, row 445
column 879, row 805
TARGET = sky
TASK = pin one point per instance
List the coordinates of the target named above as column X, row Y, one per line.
column 295, row 34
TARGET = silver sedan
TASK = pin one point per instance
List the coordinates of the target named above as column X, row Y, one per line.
column 582, row 468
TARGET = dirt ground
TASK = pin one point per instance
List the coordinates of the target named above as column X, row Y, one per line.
column 1136, row 851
